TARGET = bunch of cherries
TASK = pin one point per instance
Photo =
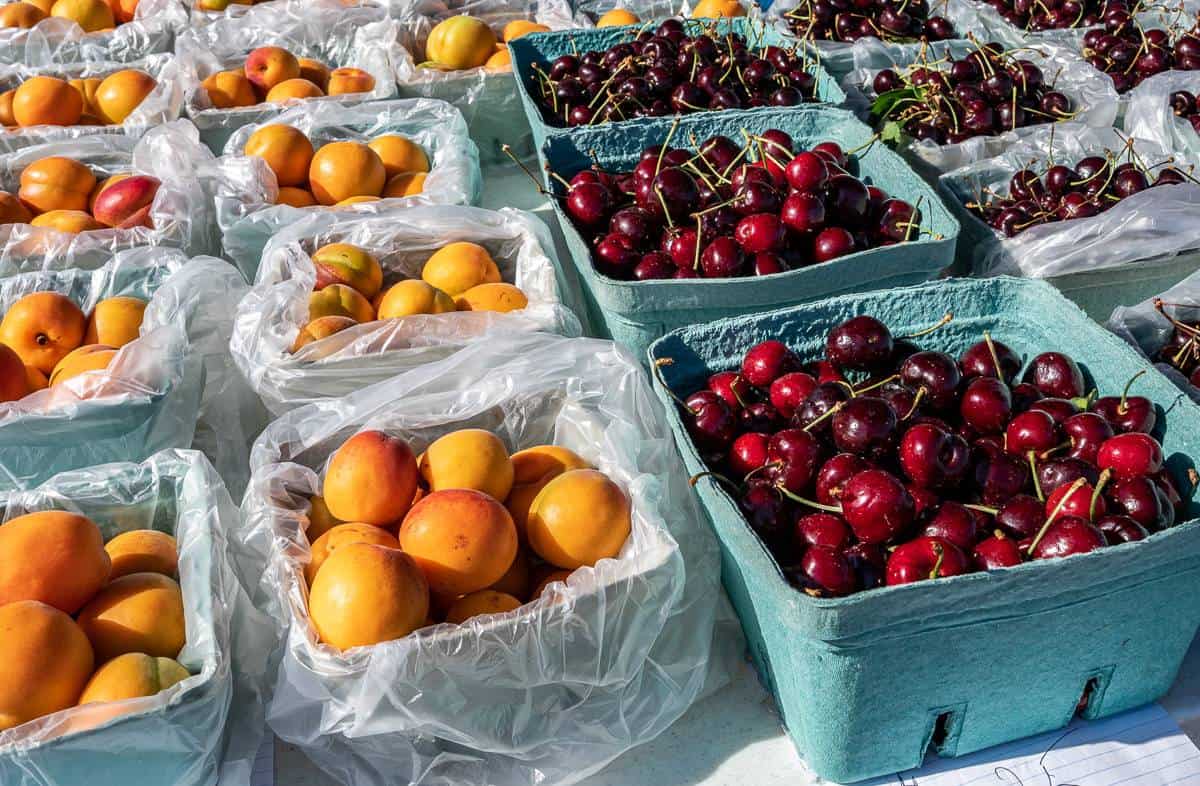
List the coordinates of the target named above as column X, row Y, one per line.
column 848, row 21
column 670, row 71
column 732, row 210
column 1183, row 104
column 986, row 92
column 1130, row 54
column 1039, row 15
column 1062, row 192
column 1182, row 350
column 930, row 465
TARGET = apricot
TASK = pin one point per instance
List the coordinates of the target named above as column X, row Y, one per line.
column 229, row 89
column 54, row 557
column 457, row 267
column 293, row 89
column 499, row 297
column 320, row 520
column 708, row 9
column 463, row 540
column 287, row 151
column 404, row 185
column 314, row 71
column 547, row 580
column 296, row 197
column 115, row 321
column 121, row 93
column 479, row 603
column 91, row 15
column 12, row 211
column 343, row 263
column 340, row 170
column 339, row 300
column 143, row 551
column 371, row 478
column 516, row 581
column 366, row 594
column 268, row 66
column 14, row 382
column 399, row 154
column 343, row 535
column 46, row 101
column 533, row 468
column 356, row 200
column 36, row 379
column 47, row 661
column 90, row 357
column 108, row 181
column 321, row 328
column 123, row 10
column 460, row 42
column 132, row 676
column 519, row 27
column 126, row 202
column 43, row 5
column 43, row 328
column 469, row 458
column 56, row 183
column 87, row 87
column 413, row 296
column 344, row 81
column 501, row 59
column 618, row 17
column 578, row 519
column 22, row 15
column 70, row 221
column 7, row 118
column 140, row 612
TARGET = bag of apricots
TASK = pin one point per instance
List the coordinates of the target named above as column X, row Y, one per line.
column 506, row 528
column 42, row 32
column 133, row 652
column 344, row 302
column 244, row 69
column 117, row 362
column 357, row 159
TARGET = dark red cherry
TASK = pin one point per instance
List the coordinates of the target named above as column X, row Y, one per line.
column 825, row 572
column 768, row 513
column 932, row 457
column 998, row 475
column 1087, row 431
column 789, row 391
column 722, row 258
column 953, row 522
column 935, row 372
column 877, row 506
column 1021, row 516
column 712, row 424
column 1059, row 472
column 1031, row 431
column 803, row 213
column 798, row 455
column 831, row 243
column 977, row 361
column 1073, row 500
column 760, row 416
column 824, row 397
column 748, row 452
column 986, row 405
column 1140, row 499
column 865, row 425
column 832, row 477
column 1130, row 455
column 1068, row 535
column 860, row 343
column 767, row 361
column 1057, row 408
column 1055, row 375
column 807, row 172
column 822, row 529
column 922, row 559
column 589, row 203
column 1121, row 529
column 1133, row 413
column 995, row 552
column 732, row 387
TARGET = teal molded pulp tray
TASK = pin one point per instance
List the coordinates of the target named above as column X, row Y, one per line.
column 634, row 313
column 543, row 48
column 868, row 683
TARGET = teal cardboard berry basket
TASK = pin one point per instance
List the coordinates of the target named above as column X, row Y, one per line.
column 635, row 313
column 543, row 48
column 870, row 683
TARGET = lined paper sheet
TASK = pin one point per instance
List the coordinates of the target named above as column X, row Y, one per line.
column 263, row 773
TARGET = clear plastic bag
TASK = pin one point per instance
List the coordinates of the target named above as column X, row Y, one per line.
column 210, row 724
column 173, row 387
column 1147, row 331
column 1149, row 116
column 1154, row 225
column 182, row 214
column 271, row 316
column 163, row 104
column 546, row 694
column 1091, row 93
column 246, row 190
column 58, row 40
column 327, row 30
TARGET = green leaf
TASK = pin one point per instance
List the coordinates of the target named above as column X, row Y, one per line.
column 886, row 102
column 892, row 133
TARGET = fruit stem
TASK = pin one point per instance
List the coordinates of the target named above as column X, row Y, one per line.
column 694, row 479
column 657, row 369
column 756, row 470
column 983, row 509
column 825, row 415
column 875, row 385
column 666, row 145
column 1121, row 407
column 916, row 403
column 797, row 498
column 991, row 345
column 1186, row 329
column 946, row 319
column 1100, row 483
column 507, row 150
column 1078, row 484
column 1037, row 484
column 941, row 555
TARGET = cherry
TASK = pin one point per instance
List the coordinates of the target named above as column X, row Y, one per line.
column 859, row 343
column 789, row 391
column 1121, row 529
column 995, row 552
column 1021, row 516
column 1057, row 408
column 766, row 263
column 986, row 405
column 616, row 255
column 876, row 505
column 1076, row 500
column 1170, row 491
column 796, row 455
column 933, row 457
column 811, row 414
column 1059, row 472
column 1127, row 413
column 1087, row 431
column 977, row 361
column 655, row 265
column 589, row 203
column 712, row 424
column 865, row 425
column 760, row 416
column 722, row 258
column 803, row 213
column 822, row 529
column 1033, row 431
column 807, row 172
column 936, row 373
column 767, row 361
column 732, row 387
column 768, row 513
column 1055, row 375
column 1141, row 500
column 831, row 243
column 760, row 232
column 924, row 558
column 1130, row 455
column 832, row 477
column 748, row 453
column 1068, row 535
column 998, row 475
column 953, row 522
column 825, row 571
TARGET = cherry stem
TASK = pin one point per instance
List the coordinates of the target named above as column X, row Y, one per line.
column 1100, row 484
column 991, row 345
column 878, row 384
column 945, row 320
column 1121, row 407
column 797, row 498
column 657, row 369
column 1183, row 327
column 666, row 146
column 916, row 403
column 983, row 509
column 756, row 470
column 1045, row 454
column 1037, row 484
column 507, row 150
column 694, row 479
column 1078, row 484
column 941, row 555
column 825, row 415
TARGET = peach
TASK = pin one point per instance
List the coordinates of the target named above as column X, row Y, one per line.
column 14, row 382
column 115, row 321
column 519, row 27
column 578, row 519
column 47, row 661
column 707, row 9
column 339, row 300
column 469, row 458
column 463, row 540
column 46, row 101
column 90, row 357
column 399, row 154
column 320, row 520
column 143, row 551
column 140, row 612
column 457, row 267
column 413, row 296
column 492, row 297
column 460, row 42
column 340, row 170
column 69, row 221
column 131, row 676
column 344, row 535
column 479, row 603
column 295, row 197
column 103, row 184
column 7, row 118
column 12, row 211
column 371, row 478
column 229, row 89
column 343, row 263
column 121, row 93
column 286, row 150
column 404, row 185
column 502, row 59
column 367, row 594
column 293, row 89
column 321, row 328
column 268, row 66
column 54, row 557
column 314, row 71
column 127, row 202
column 92, row 15
column 533, row 468
column 22, row 15
column 343, row 81
column 56, row 183
column 42, row 328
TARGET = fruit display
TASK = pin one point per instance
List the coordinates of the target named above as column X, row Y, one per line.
column 678, row 68
column 95, row 100
column 401, row 541
column 275, row 75
column 464, row 42
column 342, row 172
column 1184, row 106
column 949, row 100
column 61, row 193
column 1064, row 14
column 85, row 621
column 880, row 463
column 1130, row 54
column 841, row 20
column 1181, row 350
column 350, row 288
column 93, row 16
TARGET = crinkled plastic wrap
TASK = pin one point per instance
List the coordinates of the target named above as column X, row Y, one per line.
column 327, row 30
column 1091, row 93
column 271, row 316
column 210, row 724
column 58, row 40
column 181, row 214
column 487, row 97
column 1147, row 331
column 548, row 693
column 1152, row 226
column 1149, row 116
column 246, row 189
column 162, row 104
column 1167, row 14
column 153, row 391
